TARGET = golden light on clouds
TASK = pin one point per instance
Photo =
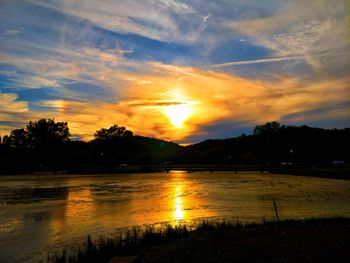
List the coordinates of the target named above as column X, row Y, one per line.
column 174, row 103
column 158, row 72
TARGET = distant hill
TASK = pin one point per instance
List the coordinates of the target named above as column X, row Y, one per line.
column 153, row 151
column 45, row 145
column 303, row 145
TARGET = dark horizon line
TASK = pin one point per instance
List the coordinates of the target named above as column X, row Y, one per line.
column 76, row 137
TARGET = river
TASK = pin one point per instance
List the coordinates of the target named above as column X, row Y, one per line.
column 39, row 213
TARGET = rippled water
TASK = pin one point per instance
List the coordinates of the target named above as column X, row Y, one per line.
column 38, row 213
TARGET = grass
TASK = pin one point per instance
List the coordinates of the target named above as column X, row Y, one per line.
column 123, row 244
column 313, row 240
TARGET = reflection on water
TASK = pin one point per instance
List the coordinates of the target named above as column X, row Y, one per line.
column 79, row 205
column 80, row 195
column 38, row 212
column 179, row 213
column 188, row 201
column 79, row 201
column 178, row 179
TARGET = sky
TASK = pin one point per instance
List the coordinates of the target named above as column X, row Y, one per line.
column 183, row 71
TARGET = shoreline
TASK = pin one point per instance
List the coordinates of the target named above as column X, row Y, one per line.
column 321, row 171
column 310, row 240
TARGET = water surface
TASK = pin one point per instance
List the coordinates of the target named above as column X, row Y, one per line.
column 38, row 213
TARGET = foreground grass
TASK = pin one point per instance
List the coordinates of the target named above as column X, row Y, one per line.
column 315, row 240
column 123, row 244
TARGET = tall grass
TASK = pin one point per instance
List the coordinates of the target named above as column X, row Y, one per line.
column 125, row 243
column 129, row 242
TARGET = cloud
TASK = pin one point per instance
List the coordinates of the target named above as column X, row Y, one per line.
column 211, row 97
column 206, row 17
column 63, row 68
column 158, row 103
column 301, row 29
column 144, row 82
column 126, row 62
column 226, row 99
column 34, row 82
column 153, row 19
column 12, row 32
column 10, row 109
column 9, row 103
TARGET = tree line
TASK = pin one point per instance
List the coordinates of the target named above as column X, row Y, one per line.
column 46, row 145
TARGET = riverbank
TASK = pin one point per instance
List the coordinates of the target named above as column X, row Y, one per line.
column 314, row 240
column 322, row 171
column 332, row 172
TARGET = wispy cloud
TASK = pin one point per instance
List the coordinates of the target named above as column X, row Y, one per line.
column 9, row 103
column 226, row 97
column 301, row 30
column 11, row 110
column 153, row 19
column 132, row 60
column 12, row 32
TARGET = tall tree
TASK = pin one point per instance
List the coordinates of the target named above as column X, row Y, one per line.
column 267, row 128
column 18, row 138
column 113, row 132
column 45, row 132
column 113, row 144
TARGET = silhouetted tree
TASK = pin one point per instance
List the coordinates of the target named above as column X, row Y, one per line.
column 267, row 128
column 46, row 132
column 45, row 145
column 110, row 145
column 18, row 138
column 113, row 132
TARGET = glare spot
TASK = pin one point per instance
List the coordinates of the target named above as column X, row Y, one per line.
column 179, row 213
column 177, row 114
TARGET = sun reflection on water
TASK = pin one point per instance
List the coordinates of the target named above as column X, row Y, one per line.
column 185, row 206
column 179, row 213
column 79, row 203
column 179, row 202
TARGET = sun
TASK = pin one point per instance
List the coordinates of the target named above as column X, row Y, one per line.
column 177, row 114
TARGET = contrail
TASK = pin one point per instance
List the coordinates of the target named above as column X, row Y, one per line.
column 257, row 61
column 277, row 59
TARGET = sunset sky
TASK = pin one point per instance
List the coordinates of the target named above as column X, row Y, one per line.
column 176, row 70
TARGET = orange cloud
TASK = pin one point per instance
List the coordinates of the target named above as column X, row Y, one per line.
column 205, row 97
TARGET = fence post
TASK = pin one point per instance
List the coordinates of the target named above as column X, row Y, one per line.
column 276, row 212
